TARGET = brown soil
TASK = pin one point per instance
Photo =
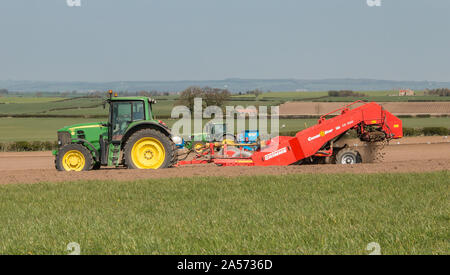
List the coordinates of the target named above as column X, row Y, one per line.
column 402, row 108
column 419, row 154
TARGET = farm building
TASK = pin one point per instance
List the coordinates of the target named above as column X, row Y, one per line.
column 406, row 92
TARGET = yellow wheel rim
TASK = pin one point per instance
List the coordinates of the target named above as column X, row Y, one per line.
column 148, row 153
column 198, row 147
column 73, row 160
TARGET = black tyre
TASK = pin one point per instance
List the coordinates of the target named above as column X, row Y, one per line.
column 74, row 157
column 149, row 149
column 348, row 156
column 97, row 166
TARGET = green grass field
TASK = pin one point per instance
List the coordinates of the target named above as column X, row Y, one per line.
column 44, row 129
column 30, row 107
column 294, row 214
column 35, row 129
column 17, row 99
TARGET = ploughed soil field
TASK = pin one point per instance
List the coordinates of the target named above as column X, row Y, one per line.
column 414, row 154
column 397, row 108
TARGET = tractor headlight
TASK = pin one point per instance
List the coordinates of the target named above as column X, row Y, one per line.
column 177, row 140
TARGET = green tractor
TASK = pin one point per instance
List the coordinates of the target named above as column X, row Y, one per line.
column 214, row 132
column 131, row 137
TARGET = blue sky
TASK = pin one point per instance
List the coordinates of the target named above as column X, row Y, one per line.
column 113, row 40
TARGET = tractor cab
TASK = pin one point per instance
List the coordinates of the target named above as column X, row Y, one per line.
column 125, row 111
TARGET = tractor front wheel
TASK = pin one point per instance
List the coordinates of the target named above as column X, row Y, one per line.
column 149, row 149
column 74, row 157
column 348, row 156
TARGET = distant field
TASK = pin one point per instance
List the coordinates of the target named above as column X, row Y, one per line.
column 397, row 108
column 95, row 111
column 44, row 129
column 8, row 100
column 35, row 129
column 385, row 96
column 290, row 214
column 41, row 108
column 92, row 106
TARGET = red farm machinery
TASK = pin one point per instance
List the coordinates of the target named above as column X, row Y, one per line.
column 316, row 144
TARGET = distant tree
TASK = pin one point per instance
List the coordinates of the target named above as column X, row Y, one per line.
column 345, row 93
column 188, row 95
column 211, row 96
column 95, row 94
column 438, row 92
column 38, row 94
column 143, row 93
column 255, row 92
column 215, row 97
column 3, row 91
column 152, row 93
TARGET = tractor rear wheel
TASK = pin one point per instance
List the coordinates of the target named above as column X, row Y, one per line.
column 149, row 149
column 348, row 156
column 74, row 157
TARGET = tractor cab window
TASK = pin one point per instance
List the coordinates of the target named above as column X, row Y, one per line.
column 138, row 111
column 124, row 113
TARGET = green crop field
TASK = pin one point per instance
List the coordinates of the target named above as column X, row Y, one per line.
column 44, row 129
column 16, row 99
column 73, row 105
column 93, row 106
column 35, row 129
column 42, row 116
column 290, row 214
column 56, row 106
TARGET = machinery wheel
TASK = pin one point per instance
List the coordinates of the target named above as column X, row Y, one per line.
column 149, row 149
column 198, row 146
column 74, row 157
column 348, row 156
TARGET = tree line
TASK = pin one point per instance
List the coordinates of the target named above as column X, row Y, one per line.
column 438, row 92
column 345, row 93
column 210, row 96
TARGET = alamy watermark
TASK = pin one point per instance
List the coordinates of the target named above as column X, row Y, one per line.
column 236, row 117
column 374, row 248
column 73, row 3
column 73, row 248
column 373, row 3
